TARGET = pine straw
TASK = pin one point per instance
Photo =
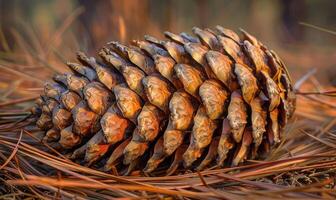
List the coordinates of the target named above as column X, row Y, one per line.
column 303, row 166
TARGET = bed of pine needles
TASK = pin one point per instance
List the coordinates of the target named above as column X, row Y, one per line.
column 303, row 166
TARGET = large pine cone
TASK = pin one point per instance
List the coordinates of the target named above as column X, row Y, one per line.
column 213, row 99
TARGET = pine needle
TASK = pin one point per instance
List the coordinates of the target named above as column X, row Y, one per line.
column 317, row 28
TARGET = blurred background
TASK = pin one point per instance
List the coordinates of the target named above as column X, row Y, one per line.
column 40, row 34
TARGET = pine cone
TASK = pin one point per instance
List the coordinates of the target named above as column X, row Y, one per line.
column 211, row 100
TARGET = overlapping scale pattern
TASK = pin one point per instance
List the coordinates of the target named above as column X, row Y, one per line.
column 188, row 102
